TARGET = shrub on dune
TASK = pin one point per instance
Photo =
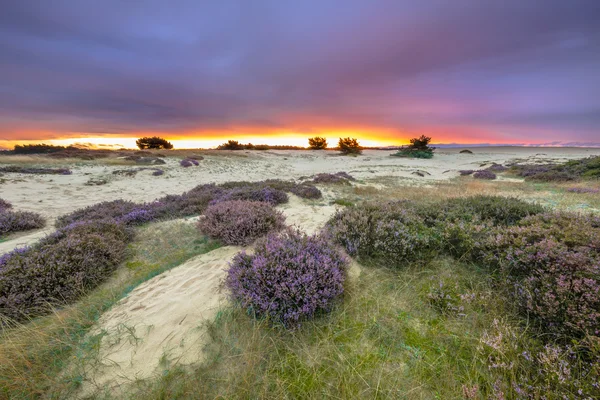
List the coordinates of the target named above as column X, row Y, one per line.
column 339, row 177
column 253, row 193
column 552, row 264
column 289, row 278
column 18, row 221
column 36, row 171
column 4, row 205
column 59, row 269
column 240, row 222
column 100, row 211
column 392, row 232
column 306, row 192
column 484, row 174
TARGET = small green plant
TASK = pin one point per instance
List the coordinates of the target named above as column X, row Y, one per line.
column 317, row 143
column 349, row 146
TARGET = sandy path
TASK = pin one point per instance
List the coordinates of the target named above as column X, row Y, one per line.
column 159, row 323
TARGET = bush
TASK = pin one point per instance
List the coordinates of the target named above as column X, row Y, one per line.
column 37, row 149
column 339, row 177
column 418, row 148
column 464, row 172
column 571, row 170
column 240, row 222
column 349, row 146
column 158, row 172
column 36, row 171
column 231, row 145
column 391, row 232
column 551, row 263
column 290, row 278
column 484, row 174
column 185, row 163
column 100, row 211
column 59, row 269
column 317, row 143
column 4, row 205
column 497, row 210
column 496, row 168
column 306, row 191
column 18, row 221
column 413, row 153
column 153, row 142
column 253, row 193
column 466, row 151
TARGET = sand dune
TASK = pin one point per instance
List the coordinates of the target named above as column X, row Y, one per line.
column 160, row 322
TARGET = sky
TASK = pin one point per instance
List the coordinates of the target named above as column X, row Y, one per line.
column 461, row 71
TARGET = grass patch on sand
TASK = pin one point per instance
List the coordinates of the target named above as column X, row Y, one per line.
column 386, row 340
column 34, row 356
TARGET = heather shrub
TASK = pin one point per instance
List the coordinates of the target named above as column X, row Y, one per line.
column 498, row 210
column 18, row 221
column 466, row 151
column 391, row 232
column 4, row 205
column 158, row 172
column 551, row 264
column 58, row 270
column 582, row 190
column 36, row 171
column 338, row 177
column 464, row 172
column 264, row 194
column 306, row 191
column 290, row 278
column 185, row 163
column 484, row 174
column 303, row 190
column 104, row 210
column 240, row 222
column 496, row 168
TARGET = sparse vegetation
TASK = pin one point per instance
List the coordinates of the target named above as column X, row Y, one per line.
column 317, row 143
column 36, row 171
column 586, row 168
column 38, row 148
column 349, row 146
column 337, row 178
column 484, row 174
column 153, row 143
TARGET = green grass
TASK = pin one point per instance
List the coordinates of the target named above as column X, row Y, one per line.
column 47, row 357
column 385, row 340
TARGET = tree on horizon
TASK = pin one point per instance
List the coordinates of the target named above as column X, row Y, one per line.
column 154, row 143
column 317, row 143
column 349, row 146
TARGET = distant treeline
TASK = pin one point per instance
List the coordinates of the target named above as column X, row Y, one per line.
column 235, row 145
column 40, row 148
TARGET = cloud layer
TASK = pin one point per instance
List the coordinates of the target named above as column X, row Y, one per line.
column 464, row 70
